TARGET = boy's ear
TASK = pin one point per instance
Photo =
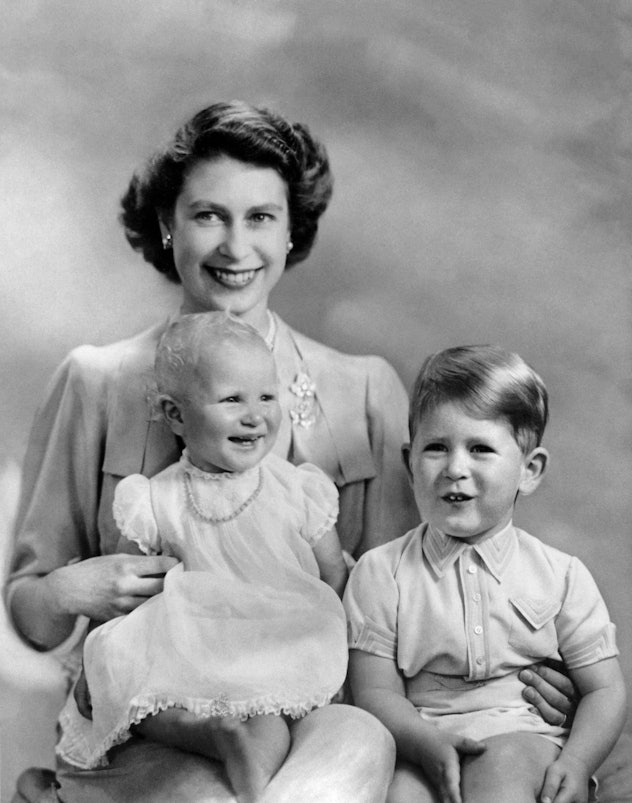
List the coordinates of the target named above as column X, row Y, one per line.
column 535, row 465
column 172, row 413
column 406, row 461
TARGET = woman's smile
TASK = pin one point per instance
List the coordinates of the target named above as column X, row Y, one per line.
column 232, row 278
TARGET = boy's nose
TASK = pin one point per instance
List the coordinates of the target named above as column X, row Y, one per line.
column 456, row 466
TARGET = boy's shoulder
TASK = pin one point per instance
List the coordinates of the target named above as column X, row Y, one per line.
column 533, row 546
column 407, row 546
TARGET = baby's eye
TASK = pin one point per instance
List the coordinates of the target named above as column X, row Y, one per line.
column 434, row 447
column 268, row 397
column 231, row 399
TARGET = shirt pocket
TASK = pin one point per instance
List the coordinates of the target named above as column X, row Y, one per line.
column 533, row 634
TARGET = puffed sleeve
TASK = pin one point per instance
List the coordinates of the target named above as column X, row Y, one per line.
column 319, row 500
column 57, row 517
column 585, row 633
column 381, row 508
column 371, row 601
column 134, row 515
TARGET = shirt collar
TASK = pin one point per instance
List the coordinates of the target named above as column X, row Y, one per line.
column 442, row 550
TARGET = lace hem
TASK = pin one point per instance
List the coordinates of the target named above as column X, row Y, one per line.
column 75, row 749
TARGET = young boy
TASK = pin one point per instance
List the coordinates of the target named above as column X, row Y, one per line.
column 442, row 620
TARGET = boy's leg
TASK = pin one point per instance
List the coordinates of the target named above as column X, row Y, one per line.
column 410, row 785
column 512, row 768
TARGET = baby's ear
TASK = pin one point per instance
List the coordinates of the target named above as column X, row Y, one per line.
column 535, row 464
column 172, row 413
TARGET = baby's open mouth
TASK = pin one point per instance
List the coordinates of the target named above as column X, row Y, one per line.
column 246, row 440
column 232, row 278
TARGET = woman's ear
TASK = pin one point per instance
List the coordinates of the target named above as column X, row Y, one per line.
column 535, row 464
column 164, row 223
column 173, row 414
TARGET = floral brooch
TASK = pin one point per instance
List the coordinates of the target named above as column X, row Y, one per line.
column 304, row 412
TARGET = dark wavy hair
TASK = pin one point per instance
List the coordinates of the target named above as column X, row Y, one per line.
column 488, row 382
column 240, row 131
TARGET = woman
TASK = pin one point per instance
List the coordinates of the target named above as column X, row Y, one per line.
column 232, row 202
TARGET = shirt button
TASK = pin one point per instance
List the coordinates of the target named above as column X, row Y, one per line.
column 476, row 597
column 480, row 660
column 471, row 569
column 478, row 630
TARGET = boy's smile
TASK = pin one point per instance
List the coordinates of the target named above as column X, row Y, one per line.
column 467, row 472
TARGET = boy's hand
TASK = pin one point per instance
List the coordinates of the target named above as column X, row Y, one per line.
column 565, row 781
column 441, row 762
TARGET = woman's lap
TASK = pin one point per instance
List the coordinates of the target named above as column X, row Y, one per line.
column 339, row 754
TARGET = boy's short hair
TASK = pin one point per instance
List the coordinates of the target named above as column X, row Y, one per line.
column 489, row 383
column 187, row 338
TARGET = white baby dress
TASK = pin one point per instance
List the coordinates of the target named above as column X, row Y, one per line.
column 244, row 625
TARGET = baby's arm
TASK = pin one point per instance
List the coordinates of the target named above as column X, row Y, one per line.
column 378, row 687
column 332, row 566
column 596, row 727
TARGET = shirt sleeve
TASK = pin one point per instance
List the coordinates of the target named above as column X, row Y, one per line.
column 379, row 509
column 134, row 514
column 371, row 601
column 320, row 499
column 57, row 517
column 585, row 633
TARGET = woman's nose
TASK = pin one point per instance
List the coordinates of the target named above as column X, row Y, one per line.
column 235, row 245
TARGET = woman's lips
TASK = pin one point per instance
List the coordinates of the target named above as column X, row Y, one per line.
column 232, row 278
column 456, row 497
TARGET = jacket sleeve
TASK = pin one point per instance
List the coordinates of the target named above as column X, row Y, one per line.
column 382, row 507
column 57, row 515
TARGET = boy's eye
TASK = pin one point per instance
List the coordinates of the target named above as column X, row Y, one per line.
column 482, row 448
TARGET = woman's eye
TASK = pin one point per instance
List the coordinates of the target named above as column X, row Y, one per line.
column 207, row 215
column 261, row 217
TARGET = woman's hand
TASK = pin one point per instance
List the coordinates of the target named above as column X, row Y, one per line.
column 109, row 585
column 45, row 608
column 551, row 692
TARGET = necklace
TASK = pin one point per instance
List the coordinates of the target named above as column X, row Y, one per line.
column 219, row 519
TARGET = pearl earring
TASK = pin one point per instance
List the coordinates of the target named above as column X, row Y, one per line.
column 167, row 242
column 289, row 246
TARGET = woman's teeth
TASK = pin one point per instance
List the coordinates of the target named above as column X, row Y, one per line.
column 231, row 278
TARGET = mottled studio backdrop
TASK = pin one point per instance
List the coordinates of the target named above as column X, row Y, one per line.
column 483, row 161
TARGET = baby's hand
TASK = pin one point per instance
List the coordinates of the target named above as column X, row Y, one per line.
column 441, row 761
column 565, row 781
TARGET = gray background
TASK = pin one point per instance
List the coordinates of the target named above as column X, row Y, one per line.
column 483, row 161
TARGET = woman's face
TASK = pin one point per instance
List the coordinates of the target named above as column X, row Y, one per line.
column 230, row 231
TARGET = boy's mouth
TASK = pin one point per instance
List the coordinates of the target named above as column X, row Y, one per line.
column 456, row 497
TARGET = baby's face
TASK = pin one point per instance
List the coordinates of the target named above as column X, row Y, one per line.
column 231, row 417
column 466, row 472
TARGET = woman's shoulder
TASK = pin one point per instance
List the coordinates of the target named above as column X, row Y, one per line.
column 316, row 353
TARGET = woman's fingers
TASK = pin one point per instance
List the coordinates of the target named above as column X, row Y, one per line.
column 551, row 692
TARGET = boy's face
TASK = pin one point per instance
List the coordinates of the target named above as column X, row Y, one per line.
column 467, row 471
